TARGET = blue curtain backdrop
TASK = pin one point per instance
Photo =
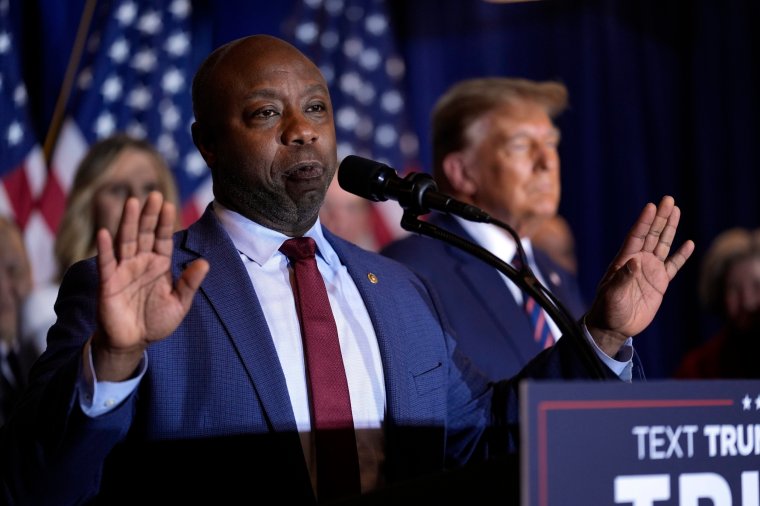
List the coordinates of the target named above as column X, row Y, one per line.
column 664, row 100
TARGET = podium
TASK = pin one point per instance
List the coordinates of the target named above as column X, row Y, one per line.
column 659, row 443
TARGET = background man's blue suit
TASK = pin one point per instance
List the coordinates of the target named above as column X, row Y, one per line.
column 492, row 328
column 213, row 412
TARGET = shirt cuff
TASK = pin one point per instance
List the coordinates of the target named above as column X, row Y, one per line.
column 622, row 363
column 99, row 397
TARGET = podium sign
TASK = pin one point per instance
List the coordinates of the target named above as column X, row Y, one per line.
column 659, row 443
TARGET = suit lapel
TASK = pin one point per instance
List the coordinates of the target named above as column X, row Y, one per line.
column 224, row 287
column 486, row 286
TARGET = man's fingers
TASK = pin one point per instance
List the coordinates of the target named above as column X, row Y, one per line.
column 126, row 235
column 165, row 229
column 676, row 261
column 636, row 236
column 149, row 218
column 190, row 280
column 656, row 229
column 106, row 259
column 665, row 242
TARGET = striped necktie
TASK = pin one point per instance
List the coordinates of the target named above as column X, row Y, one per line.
column 542, row 334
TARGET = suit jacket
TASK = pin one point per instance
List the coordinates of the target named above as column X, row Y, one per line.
column 492, row 328
column 212, row 417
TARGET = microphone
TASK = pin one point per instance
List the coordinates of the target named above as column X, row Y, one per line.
column 416, row 192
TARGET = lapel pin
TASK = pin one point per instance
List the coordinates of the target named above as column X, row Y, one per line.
column 372, row 278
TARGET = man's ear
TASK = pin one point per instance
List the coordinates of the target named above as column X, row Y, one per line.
column 458, row 175
column 202, row 140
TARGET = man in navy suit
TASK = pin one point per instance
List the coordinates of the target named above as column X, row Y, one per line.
column 175, row 370
column 495, row 147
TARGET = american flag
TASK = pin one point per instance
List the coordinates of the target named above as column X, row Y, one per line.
column 22, row 165
column 352, row 43
column 134, row 76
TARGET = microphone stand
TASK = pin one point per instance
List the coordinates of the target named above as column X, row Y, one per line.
column 412, row 202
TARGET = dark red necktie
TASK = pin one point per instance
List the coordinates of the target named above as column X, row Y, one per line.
column 541, row 332
column 332, row 422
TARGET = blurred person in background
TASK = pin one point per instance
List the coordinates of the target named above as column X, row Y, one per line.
column 348, row 216
column 495, row 147
column 555, row 237
column 729, row 286
column 114, row 169
column 16, row 353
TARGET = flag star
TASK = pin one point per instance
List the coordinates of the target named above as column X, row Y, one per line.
column 139, row 98
column 145, row 60
column 346, row 118
column 15, row 133
column 105, row 125
column 352, row 48
column 329, row 39
column 170, row 116
column 195, row 165
column 5, row 42
column 166, row 145
column 394, row 67
column 177, row 44
column 392, row 101
column 85, row 78
column 19, row 95
column 757, row 403
column 149, row 23
column 137, row 129
column 307, row 32
column 180, row 9
column 173, row 81
column 386, row 135
column 111, row 89
column 334, row 7
column 350, row 82
column 746, row 402
column 119, row 50
column 366, row 94
column 328, row 72
column 376, row 24
column 126, row 13
column 370, row 59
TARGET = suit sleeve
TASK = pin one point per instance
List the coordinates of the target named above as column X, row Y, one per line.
column 48, row 445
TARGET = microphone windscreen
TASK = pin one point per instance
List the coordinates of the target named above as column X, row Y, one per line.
column 363, row 177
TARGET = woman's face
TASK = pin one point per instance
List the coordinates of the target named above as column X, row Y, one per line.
column 743, row 292
column 134, row 174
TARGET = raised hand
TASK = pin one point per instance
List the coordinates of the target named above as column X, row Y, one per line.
column 632, row 289
column 138, row 301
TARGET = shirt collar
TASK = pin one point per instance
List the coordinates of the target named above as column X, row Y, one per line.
column 495, row 239
column 260, row 243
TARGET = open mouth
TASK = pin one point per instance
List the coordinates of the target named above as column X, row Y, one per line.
column 304, row 172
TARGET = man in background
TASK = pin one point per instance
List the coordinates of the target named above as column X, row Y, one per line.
column 495, row 147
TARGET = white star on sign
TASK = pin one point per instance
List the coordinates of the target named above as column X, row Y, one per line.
column 746, row 402
column 757, row 402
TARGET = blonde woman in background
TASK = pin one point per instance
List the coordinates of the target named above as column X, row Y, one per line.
column 113, row 169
